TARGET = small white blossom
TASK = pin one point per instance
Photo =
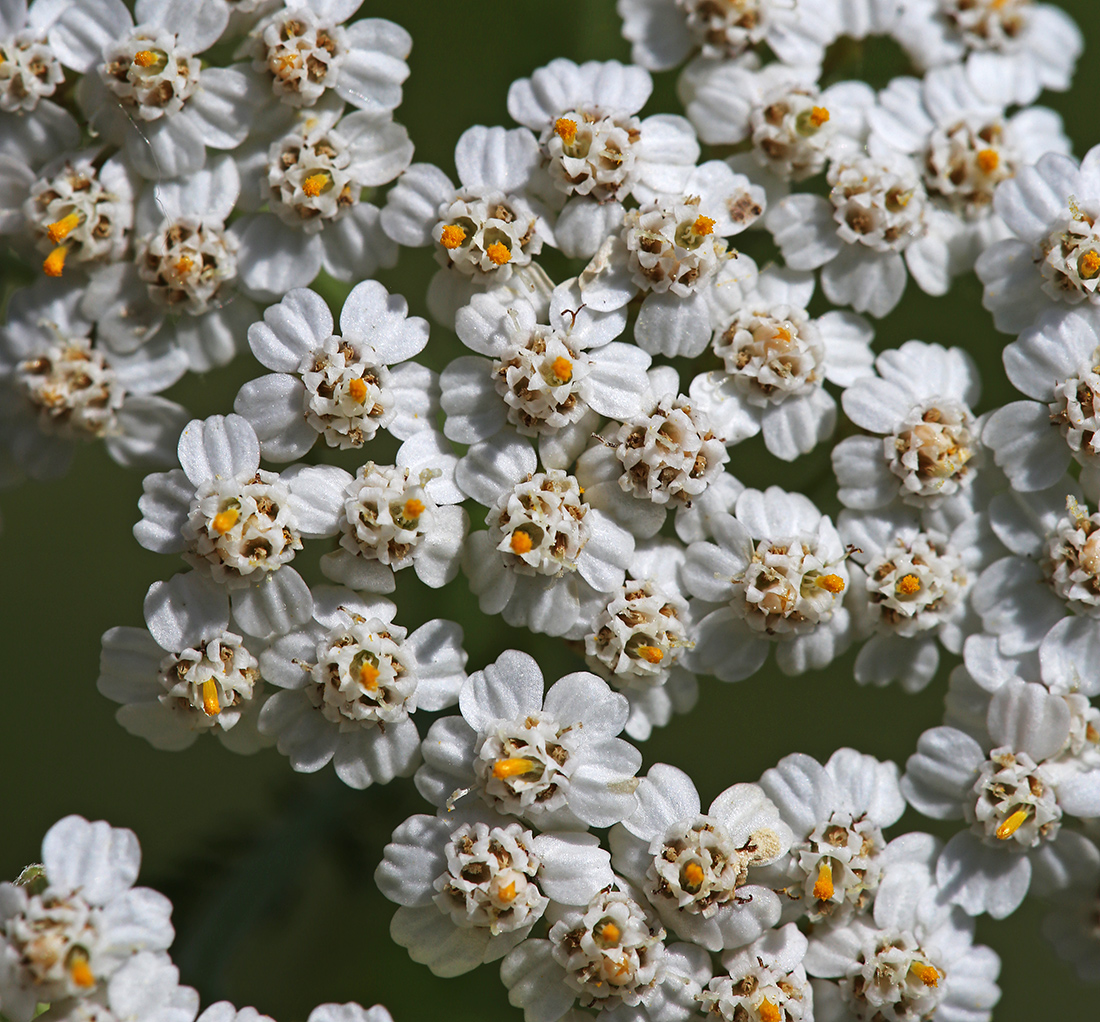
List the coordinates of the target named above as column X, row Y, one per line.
column 764, row 981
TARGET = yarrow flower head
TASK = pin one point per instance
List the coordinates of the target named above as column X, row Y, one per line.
column 29, row 69
column 765, row 980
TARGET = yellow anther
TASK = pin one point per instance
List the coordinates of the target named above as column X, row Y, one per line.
column 1088, row 265
column 146, row 58
column 823, row 885
column 819, row 115
column 413, row 509
column 929, row 975
column 830, row 583
column 607, row 935
column 565, row 129
column 61, row 229
column 907, row 585
column 358, row 391
column 81, row 972
column 1012, row 824
column 316, row 183
column 225, row 520
column 703, row 226
column 452, row 236
column 692, row 875
column 562, row 369
column 514, row 767
column 769, row 1012
column 782, row 333
column 54, row 263
column 498, row 253
column 651, row 654
column 210, row 705
column 988, row 160
column 368, row 677
column 520, row 542
column 183, row 265
column 507, row 893
column 287, row 61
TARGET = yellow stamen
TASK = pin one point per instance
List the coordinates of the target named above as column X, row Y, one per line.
column 452, row 236
column 823, row 886
column 54, row 263
column 988, row 160
column 929, row 975
column 225, row 520
column 1012, row 824
column 703, row 226
column 651, row 653
column 315, row 183
column 146, row 58
column 693, row 875
column 562, row 369
column 183, row 265
column 520, row 542
column 80, row 971
column 413, row 509
column 210, row 705
column 769, row 1012
column 609, row 934
column 1088, row 266
column 831, row 583
column 368, row 677
column 498, row 253
column 61, row 229
column 782, row 333
column 907, row 585
column 819, row 115
column 514, row 767
column 287, row 61
column 565, row 129
column 358, row 391
column 507, row 893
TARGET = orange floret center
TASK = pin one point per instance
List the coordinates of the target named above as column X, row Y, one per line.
column 562, row 369
column 693, row 875
column 514, row 767
column 358, row 391
column 823, row 886
column 907, row 585
column 225, row 520
column 565, row 129
column 988, row 160
column 769, row 1012
column 1089, row 264
column 507, row 893
column 1012, row 824
column 54, row 263
column 702, row 227
column 831, row 583
column 929, row 975
column 413, row 508
column 81, row 972
column 146, row 58
column 368, row 676
column 651, row 654
column 210, row 705
column 520, row 542
column 498, row 253
column 452, row 236
column 608, row 934
column 62, row 228
column 819, row 115
column 183, row 265
column 315, row 183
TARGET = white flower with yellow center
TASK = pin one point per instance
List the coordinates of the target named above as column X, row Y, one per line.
column 185, row 673
column 547, row 554
column 556, row 762
column 353, row 680
column 695, row 867
column 764, row 982
column 67, row 933
column 776, row 574
column 472, row 885
column 149, row 74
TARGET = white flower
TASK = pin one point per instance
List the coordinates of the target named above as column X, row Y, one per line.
column 555, row 761
column 185, row 673
column 60, row 388
column 353, row 680
column 68, row 935
column 553, row 382
column 776, row 361
column 609, row 955
column 1013, row 793
column 836, row 814
column 471, row 885
column 919, row 404
column 674, row 249
column 915, row 583
column 483, row 232
column 776, row 574
column 1051, row 208
column 29, row 68
column 694, row 867
column 663, row 32
column 400, row 516
column 145, row 989
column 311, row 173
column 547, row 554
column 911, row 960
column 875, row 215
column 597, row 152
column 304, row 49
column 144, row 88
column 763, row 981
column 1025, row 46
column 638, row 638
column 239, row 523
column 343, row 386
column 1055, row 362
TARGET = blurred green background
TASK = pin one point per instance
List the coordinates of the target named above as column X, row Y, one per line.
column 271, row 872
